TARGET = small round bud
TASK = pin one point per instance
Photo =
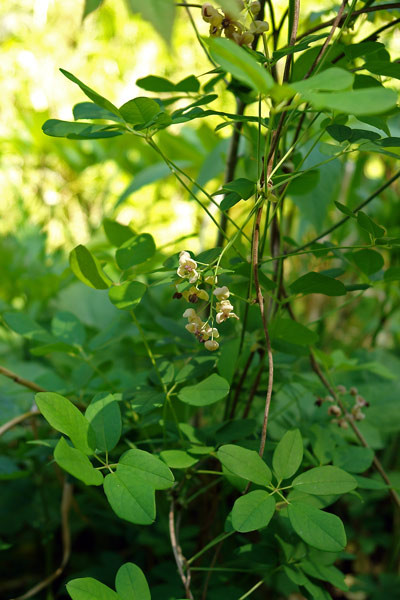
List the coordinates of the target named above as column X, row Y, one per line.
column 353, row 391
column 211, row 345
column 360, row 401
column 255, row 8
column 334, row 410
column 329, row 399
column 246, row 38
column 341, row 389
column 259, row 27
column 343, row 424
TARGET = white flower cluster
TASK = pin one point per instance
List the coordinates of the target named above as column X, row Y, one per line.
column 224, row 307
column 201, row 330
column 188, row 269
column 233, row 28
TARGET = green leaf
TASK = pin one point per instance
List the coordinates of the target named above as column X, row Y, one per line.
column 288, row 454
column 316, row 283
column 152, row 83
column 131, row 583
column 360, row 102
column 76, row 463
column 90, row 6
column 253, row 511
column 87, row 588
column 178, row 459
column 229, row 200
column 243, row 187
column 148, row 467
column 131, row 498
column 210, row 390
column 117, row 234
column 135, row 251
column 89, row 110
column 127, row 295
column 365, row 222
column 140, row 111
column 317, row 528
column 160, row 13
column 344, row 209
column 65, row 417
column 292, row 332
column 325, row 573
column 303, row 184
column 384, row 68
column 104, row 415
column 329, row 80
column 323, row 481
column 244, row 463
column 94, row 96
column 79, row 131
column 355, row 459
column 392, row 274
column 27, row 327
column 240, row 64
column 368, row 261
column 66, row 327
column 86, row 268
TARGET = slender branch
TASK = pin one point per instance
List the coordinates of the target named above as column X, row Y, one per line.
column 292, row 39
column 376, row 462
column 21, row 381
column 359, row 207
column 66, row 501
column 335, row 24
column 176, row 549
column 260, row 300
column 16, row 420
column 356, row 13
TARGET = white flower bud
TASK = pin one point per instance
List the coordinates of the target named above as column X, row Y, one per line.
column 211, row 345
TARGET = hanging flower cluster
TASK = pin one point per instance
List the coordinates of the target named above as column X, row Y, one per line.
column 202, row 330
column 234, row 29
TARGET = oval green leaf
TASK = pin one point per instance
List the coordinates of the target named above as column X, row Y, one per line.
column 86, row 267
column 288, row 454
column 131, row 583
column 210, row 390
column 240, row 64
column 135, row 251
column 104, row 415
column 76, row 463
column 65, row 417
column 131, row 498
column 323, row 481
column 149, row 467
column 317, row 283
column 244, row 463
column 253, row 511
column 317, row 528
column 127, row 295
column 87, row 588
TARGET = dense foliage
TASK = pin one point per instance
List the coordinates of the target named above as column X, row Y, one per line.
column 214, row 414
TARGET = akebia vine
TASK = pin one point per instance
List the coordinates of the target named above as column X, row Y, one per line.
column 235, row 442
